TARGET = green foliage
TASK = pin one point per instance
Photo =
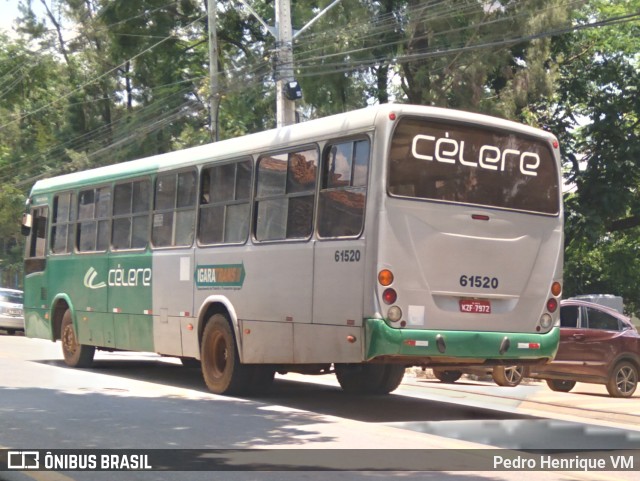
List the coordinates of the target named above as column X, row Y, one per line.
column 598, row 100
column 11, row 247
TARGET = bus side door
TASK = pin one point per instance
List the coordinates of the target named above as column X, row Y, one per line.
column 339, row 256
column 35, row 279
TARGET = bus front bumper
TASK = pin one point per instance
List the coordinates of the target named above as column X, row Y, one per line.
column 383, row 341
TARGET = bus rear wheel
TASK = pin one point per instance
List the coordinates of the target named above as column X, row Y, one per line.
column 222, row 370
column 74, row 353
column 191, row 363
column 369, row 378
column 560, row 385
column 446, row 375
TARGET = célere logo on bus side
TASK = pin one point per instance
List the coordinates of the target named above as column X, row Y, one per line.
column 489, row 157
column 206, row 277
column 119, row 277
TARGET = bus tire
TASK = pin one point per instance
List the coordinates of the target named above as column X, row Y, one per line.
column 222, row 370
column 369, row 378
column 559, row 385
column 191, row 362
column 74, row 353
column 447, row 375
column 261, row 379
column 394, row 373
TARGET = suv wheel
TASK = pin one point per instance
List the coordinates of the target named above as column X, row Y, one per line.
column 509, row 376
column 623, row 380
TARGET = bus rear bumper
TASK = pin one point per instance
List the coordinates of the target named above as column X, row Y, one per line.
column 419, row 346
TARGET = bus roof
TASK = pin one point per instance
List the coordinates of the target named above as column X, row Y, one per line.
column 326, row 127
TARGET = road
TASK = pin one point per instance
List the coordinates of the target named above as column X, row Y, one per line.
column 143, row 401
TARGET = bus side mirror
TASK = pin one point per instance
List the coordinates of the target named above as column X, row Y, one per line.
column 27, row 222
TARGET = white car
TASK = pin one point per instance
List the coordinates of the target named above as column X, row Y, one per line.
column 11, row 312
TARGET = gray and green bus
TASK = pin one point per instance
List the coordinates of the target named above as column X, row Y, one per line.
column 360, row 244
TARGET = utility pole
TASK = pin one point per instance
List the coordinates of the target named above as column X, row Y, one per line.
column 214, row 89
column 287, row 89
column 286, row 107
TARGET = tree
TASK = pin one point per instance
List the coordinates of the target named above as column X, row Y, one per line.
column 11, row 246
column 598, row 100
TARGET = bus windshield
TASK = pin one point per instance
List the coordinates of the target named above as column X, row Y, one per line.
column 469, row 164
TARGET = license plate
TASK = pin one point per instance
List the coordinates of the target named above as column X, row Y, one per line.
column 475, row 307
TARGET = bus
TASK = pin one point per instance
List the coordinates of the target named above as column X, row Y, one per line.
column 358, row 244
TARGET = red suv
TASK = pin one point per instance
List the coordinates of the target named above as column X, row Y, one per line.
column 597, row 345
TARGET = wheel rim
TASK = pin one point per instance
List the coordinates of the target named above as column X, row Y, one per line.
column 626, row 380
column 513, row 374
column 69, row 343
column 218, row 355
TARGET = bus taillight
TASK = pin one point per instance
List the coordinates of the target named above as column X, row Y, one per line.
column 385, row 277
column 552, row 305
column 389, row 296
column 556, row 289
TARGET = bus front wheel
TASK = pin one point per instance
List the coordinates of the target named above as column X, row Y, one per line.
column 369, row 378
column 222, row 370
column 74, row 353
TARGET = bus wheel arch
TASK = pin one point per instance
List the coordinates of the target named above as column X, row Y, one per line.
column 58, row 312
column 206, row 314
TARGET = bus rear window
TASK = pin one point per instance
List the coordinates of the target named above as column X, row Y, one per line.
column 472, row 165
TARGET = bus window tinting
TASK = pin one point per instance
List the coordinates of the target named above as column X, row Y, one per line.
column 224, row 203
column 474, row 165
column 131, row 203
column 285, row 195
column 174, row 209
column 62, row 223
column 93, row 219
column 344, row 189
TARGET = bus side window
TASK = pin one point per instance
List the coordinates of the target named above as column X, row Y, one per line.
column 94, row 219
column 224, row 203
column 174, row 209
column 131, row 203
column 62, row 223
column 285, row 195
column 345, row 172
